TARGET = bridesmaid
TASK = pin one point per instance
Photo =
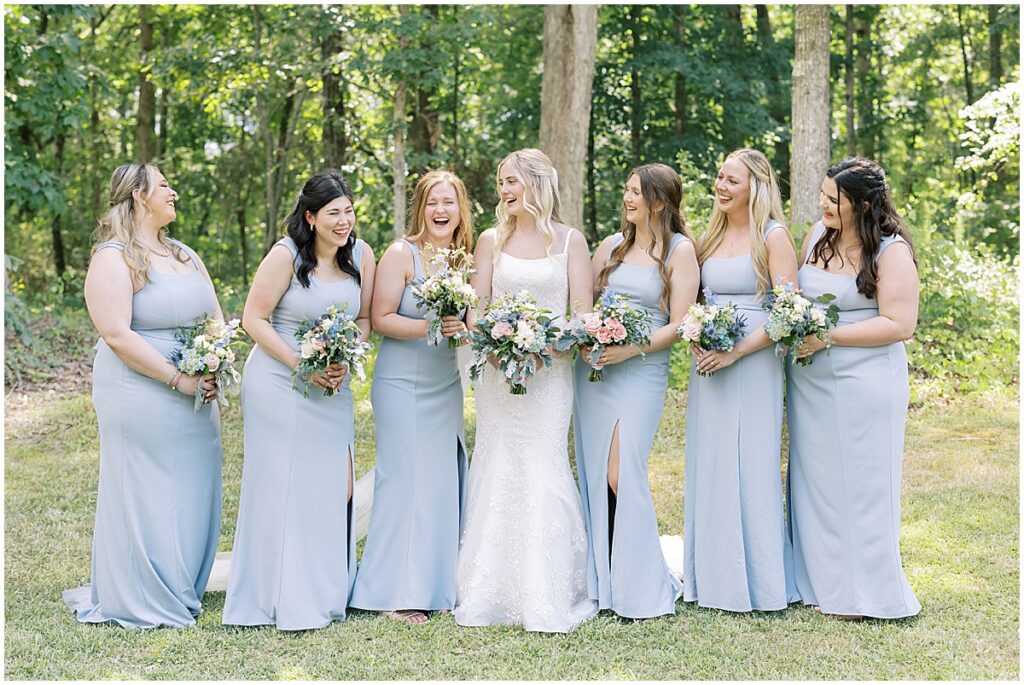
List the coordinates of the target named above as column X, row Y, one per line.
column 158, row 508
column 408, row 564
column 734, row 526
column 848, row 409
column 294, row 553
column 652, row 261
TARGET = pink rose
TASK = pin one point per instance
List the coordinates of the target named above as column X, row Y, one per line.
column 604, row 335
column 591, row 323
column 212, row 361
column 618, row 331
column 690, row 330
column 612, row 322
column 502, row 329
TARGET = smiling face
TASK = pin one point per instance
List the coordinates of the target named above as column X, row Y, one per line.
column 161, row 199
column 636, row 209
column 441, row 213
column 836, row 208
column 732, row 187
column 334, row 222
column 511, row 190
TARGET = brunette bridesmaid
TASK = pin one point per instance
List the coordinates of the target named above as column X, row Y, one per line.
column 408, row 564
column 294, row 556
column 652, row 261
column 848, row 409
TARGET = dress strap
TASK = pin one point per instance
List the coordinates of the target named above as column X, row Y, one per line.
column 677, row 238
column 814, row 235
column 886, row 242
column 568, row 236
column 188, row 251
column 357, row 255
column 771, row 226
column 417, row 259
column 617, row 239
column 110, row 243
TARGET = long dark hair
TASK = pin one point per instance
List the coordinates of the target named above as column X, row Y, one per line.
column 658, row 183
column 863, row 183
column 317, row 192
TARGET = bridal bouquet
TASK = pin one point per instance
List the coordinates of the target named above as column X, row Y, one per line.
column 333, row 338
column 613, row 322
column 446, row 293
column 206, row 348
column 518, row 333
column 712, row 326
column 792, row 317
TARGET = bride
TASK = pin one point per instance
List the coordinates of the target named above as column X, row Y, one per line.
column 523, row 553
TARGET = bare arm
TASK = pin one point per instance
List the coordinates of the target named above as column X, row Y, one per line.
column 684, row 282
column 394, row 272
column 898, row 290
column 581, row 282
column 597, row 264
column 268, row 287
column 108, row 297
column 367, row 271
column 481, row 280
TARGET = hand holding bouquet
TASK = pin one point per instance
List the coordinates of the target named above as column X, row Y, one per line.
column 206, row 349
column 446, row 293
column 792, row 317
column 711, row 326
column 518, row 333
column 613, row 322
column 332, row 338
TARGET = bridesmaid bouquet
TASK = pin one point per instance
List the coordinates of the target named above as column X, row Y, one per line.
column 712, row 326
column 613, row 322
column 446, row 293
column 332, row 338
column 516, row 331
column 792, row 317
column 206, row 348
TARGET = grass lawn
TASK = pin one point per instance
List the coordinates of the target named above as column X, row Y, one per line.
column 960, row 552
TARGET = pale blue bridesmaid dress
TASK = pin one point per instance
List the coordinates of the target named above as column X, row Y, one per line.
column 734, row 531
column 847, row 416
column 412, row 548
column 294, row 557
column 158, row 507
column 632, row 579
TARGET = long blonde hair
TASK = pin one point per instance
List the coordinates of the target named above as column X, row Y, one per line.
column 534, row 169
column 463, row 236
column 659, row 183
column 125, row 214
column 765, row 205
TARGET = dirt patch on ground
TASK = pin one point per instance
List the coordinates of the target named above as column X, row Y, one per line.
column 50, row 352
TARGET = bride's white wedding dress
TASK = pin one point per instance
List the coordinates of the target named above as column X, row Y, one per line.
column 523, row 553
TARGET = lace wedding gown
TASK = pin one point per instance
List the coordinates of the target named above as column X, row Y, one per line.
column 523, row 553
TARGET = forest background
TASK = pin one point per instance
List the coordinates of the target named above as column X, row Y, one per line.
column 239, row 104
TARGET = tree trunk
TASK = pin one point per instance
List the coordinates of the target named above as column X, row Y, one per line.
column 995, row 47
column 865, row 126
column 732, row 136
column 147, row 93
column 681, row 95
column 851, row 130
column 96, row 187
column 591, row 199
column 334, row 86
column 164, row 108
column 810, row 110
column 425, row 127
column 636, row 97
column 455, row 163
column 398, row 167
column 570, row 43
column 242, row 242
column 968, row 84
column 778, row 103
column 56, row 220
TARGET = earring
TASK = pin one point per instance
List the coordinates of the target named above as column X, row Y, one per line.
column 312, row 228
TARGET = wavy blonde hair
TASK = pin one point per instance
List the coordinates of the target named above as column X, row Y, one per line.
column 125, row 214
column 463, row 236
column 539, row 178
column 764, row 206
column 659, row 183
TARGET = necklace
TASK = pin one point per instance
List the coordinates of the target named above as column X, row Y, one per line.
column 159, row 254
